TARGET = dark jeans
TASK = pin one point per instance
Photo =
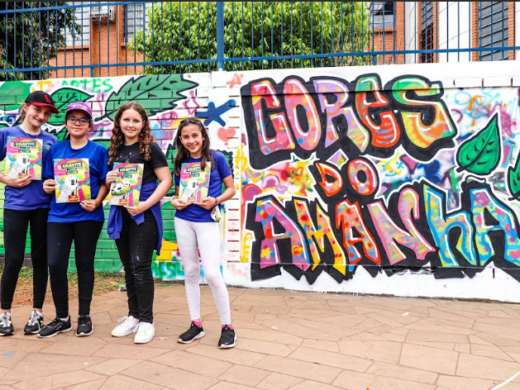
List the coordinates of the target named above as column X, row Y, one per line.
column 16, row 223
column 60, row 236
column 136, row 245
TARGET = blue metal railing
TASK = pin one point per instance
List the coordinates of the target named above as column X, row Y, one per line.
column 71, row 39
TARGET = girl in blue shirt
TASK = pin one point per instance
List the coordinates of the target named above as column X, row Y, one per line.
column 198, row 232
column 26, row 204
column 79, row 222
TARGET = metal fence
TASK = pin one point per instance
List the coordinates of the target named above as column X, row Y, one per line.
column 77, row 38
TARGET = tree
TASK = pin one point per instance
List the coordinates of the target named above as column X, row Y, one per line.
column 33, row 36
column 178, row 31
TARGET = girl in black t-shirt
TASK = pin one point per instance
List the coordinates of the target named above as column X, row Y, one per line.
column 138, row 230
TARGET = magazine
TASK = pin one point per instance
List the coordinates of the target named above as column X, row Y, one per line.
column 125, row 190
column 73, row 177
column 194, row 182
column 24, row 158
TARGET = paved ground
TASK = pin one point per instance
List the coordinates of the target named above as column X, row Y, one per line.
column 287, row 340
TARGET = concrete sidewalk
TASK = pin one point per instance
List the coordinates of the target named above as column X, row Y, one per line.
column 286, row 340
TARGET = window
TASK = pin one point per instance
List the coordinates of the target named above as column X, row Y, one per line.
column 493, row 29
column 427, row 31
column 136, row 19
column 82, row 18
column 382, row 14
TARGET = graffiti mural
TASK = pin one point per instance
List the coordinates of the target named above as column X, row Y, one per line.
column 383, row 180
column 347, row 174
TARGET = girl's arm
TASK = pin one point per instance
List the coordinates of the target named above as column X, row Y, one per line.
column 230, row 191
column 165, row 178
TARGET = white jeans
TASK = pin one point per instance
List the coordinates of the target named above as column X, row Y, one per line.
column 203, row 237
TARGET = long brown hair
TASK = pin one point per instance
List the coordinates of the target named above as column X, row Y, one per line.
column 183, row 154
column 118, row 138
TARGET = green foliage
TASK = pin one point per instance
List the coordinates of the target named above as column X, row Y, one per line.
column 12, row 95
column 155, row 93
column 513, row 179
column 180, row 31
column 62, row 98
column 480, row 154
column 34, row 36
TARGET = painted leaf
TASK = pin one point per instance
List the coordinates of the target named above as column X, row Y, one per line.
column 513, row 179
column 13, row 94
column 62, row 98
column 155, row 93
column 480, row 154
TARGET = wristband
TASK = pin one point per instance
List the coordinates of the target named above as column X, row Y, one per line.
column 216, row 201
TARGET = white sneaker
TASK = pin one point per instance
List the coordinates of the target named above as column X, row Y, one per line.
column 145, row 333
column 128, row 326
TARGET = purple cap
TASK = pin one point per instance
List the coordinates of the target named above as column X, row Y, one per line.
column 80, row 106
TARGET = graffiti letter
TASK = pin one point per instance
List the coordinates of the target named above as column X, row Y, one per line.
column 356, row 132
column 333, row 188
column 348, row 215
column 297, row 95
column 266, row 212
column 390, row 233
column 318, row 234
column 441, row 225
column 362, row 176
column 386, row 134
column 419, row 134
column 264, row 90
column 482, row 200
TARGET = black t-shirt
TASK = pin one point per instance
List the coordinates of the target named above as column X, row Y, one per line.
column 131, row 154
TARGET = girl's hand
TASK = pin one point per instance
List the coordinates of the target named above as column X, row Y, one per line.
column 141, row 208
column 49, row 186
column 19, row 182
column 179, row 204
column 111, row 176
column 89, row 205
column 208, row 203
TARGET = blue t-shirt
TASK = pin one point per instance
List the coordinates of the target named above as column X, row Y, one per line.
column 97, row 158
column 195, row 213
column 32, row 196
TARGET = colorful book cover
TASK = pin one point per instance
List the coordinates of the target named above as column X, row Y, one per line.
column 194, row 182
column 24, row 157
column 73, row 177
column 125, row 190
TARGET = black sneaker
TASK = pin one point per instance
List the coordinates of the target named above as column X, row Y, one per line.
column 85, row 327
column 193, row 333
column 6, row 326
column 56, row 326
column 228, row 338
column 34, row 324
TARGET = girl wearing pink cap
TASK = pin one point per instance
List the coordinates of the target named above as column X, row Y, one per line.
column 26, row 203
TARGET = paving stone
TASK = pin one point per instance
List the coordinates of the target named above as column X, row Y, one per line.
column 358, row 381
column 402, row 372
column 170, row 377
column 58, row 381
column 113, row 366
column 472, row 366
column 429, row 359
column 299, row 369
column 276, row 381
column 118, row 382
column 244, row 375
column 193, row 362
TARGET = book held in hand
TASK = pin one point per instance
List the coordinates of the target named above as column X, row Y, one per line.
column 125, row 190
column 73, row 177
column 24, row 158
column 194, row 182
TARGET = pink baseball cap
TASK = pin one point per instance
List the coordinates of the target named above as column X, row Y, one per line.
column 80, row 106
